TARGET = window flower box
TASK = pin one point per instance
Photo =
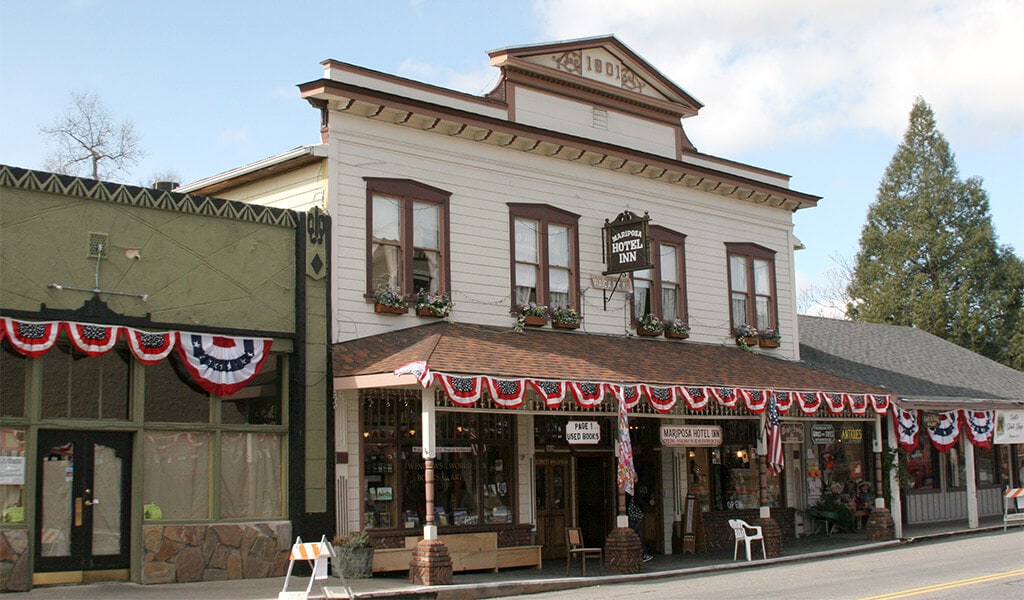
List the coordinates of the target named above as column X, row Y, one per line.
column 389, row 310
column 769, row 338
column 649, row 326
column 565, row 318
column 677, row 330
column 745, row 335
column 533, row 315
column 436, row 305
column 534, row 321
column 389, row 301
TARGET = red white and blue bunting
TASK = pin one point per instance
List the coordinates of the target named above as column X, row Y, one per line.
column 467, row 390
column 222, row 366
column 978, row 426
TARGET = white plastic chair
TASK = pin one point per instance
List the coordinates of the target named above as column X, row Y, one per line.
column 745, row 534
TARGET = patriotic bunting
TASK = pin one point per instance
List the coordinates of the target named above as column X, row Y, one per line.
column 418, row 368
column 507, row 393
column 696, row 397
column 222, row 365
column 464, row 391
column 858, row 403
column 879, row 403
column 630, row 393
column 587, row 393
column 945, row 434
column 782, row 402
column 552, row 392
column 979, row 426
column 661, row 399
column 31, row 339
column 726, row 396
column 93, row 340
column 834, row 402
column 807, row 401
column 150, row 348
column 755, row 400
column 907, row 427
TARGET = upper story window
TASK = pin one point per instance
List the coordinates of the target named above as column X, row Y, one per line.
column 545, row 255
column 752, row 293
column 407, row 229
column 661, row 290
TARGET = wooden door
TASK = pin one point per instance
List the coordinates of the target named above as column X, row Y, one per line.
column 551, row 483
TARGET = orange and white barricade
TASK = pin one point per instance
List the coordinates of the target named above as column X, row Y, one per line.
column 1015, row 496
column 317, row 554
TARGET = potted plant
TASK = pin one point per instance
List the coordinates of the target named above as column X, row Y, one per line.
column 745, row 335
column 389, row 301
column 353, row 555
column 533, row 314
column 436, row 304
column 563, row 317
column 769, row 338
column 649, row 326
column 677, row 329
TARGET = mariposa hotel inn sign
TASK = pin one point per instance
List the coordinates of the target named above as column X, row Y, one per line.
column 627, row 247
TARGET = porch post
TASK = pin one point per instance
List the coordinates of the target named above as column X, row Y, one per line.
column 895, row 497
column 972, row 484
column 430, row 564
column 769, row 526
column 880, row 525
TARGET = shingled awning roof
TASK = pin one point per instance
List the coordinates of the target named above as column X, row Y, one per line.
column 502, row 352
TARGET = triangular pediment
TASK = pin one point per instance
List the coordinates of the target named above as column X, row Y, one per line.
column 602, row 65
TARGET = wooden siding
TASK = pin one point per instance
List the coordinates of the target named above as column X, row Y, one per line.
column 932, row 507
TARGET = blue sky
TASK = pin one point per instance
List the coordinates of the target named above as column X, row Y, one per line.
column 818, row 90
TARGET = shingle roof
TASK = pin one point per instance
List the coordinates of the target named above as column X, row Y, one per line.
column 911, row 363
column 500, row 351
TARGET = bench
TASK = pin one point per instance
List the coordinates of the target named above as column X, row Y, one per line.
column 468, row 551
column 1014, row 496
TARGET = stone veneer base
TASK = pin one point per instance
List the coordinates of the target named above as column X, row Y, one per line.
column 215, row 552
column 14, row 573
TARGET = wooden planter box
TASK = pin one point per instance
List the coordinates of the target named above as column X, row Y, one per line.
column 676, row 336
column 424, row 311
column 767, row 343
column 532, row 321
column 645, row 333
column 561, row 325
column 389, row 310
column 750, row 341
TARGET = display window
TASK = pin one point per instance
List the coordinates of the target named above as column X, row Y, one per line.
column 727, row 477
column 12, row 475
column 473, row 468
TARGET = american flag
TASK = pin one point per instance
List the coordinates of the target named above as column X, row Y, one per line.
column 776, row 460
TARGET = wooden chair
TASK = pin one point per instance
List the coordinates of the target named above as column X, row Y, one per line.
column 574, row 541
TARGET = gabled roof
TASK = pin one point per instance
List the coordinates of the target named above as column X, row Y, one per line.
column 586, row 60
column 501, row 351
column 915, row 365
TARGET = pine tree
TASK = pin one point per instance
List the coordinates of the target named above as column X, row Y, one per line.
column 928, row 254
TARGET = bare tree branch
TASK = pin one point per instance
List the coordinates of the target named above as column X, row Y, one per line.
column 85, row 135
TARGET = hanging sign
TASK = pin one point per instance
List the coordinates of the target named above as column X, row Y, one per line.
column 792, row 433
column 627, row 247
column 691, row 436
column 582, row 432
column 1009, row 427
column 852, row 434
column 823, row 433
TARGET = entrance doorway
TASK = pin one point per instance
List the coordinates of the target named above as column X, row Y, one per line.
column 84, row 489
column 595, row 498
column 551, row 483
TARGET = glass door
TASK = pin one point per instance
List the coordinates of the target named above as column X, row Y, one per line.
column 83, row 489
column 551, row 487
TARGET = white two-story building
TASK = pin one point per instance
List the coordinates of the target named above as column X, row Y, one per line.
column 572, row 184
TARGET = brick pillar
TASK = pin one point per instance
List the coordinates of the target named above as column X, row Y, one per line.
column 431, row 564
column 623, row 552
column 772, row 537
column 880, row 525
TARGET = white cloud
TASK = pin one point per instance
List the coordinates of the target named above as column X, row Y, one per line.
column 789, row 69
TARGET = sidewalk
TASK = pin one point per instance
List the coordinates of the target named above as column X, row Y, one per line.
column 508, row 582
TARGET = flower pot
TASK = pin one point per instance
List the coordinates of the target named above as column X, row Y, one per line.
column 647, row 333
column 354, row 563
column 425, row 311
column 390, row 310
column 767, row 343
column 676, row 336
column 534, row 321
column 561, row 325
column 747, row 341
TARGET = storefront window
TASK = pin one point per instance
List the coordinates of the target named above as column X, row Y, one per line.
column 176, row 462
column 250, row 475
column 96, row 388
column 12, row 475
column 12, row 384
column 922, row 465
column 472, row 471
column 986, row 469
column 170, row 400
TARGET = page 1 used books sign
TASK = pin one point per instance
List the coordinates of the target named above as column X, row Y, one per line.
column 690, row 436
column 583, row 432
column 627, row 247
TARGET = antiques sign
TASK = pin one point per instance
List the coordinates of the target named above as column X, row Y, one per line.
column 627, row 247
column 683, row 436
column 582, row 432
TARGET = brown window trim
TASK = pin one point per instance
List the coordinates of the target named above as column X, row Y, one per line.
column 752, row 251
column 545, row 214
column 408, row 191
column 662, row 235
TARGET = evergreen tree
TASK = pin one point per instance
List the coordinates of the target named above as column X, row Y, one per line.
column 928, row 254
